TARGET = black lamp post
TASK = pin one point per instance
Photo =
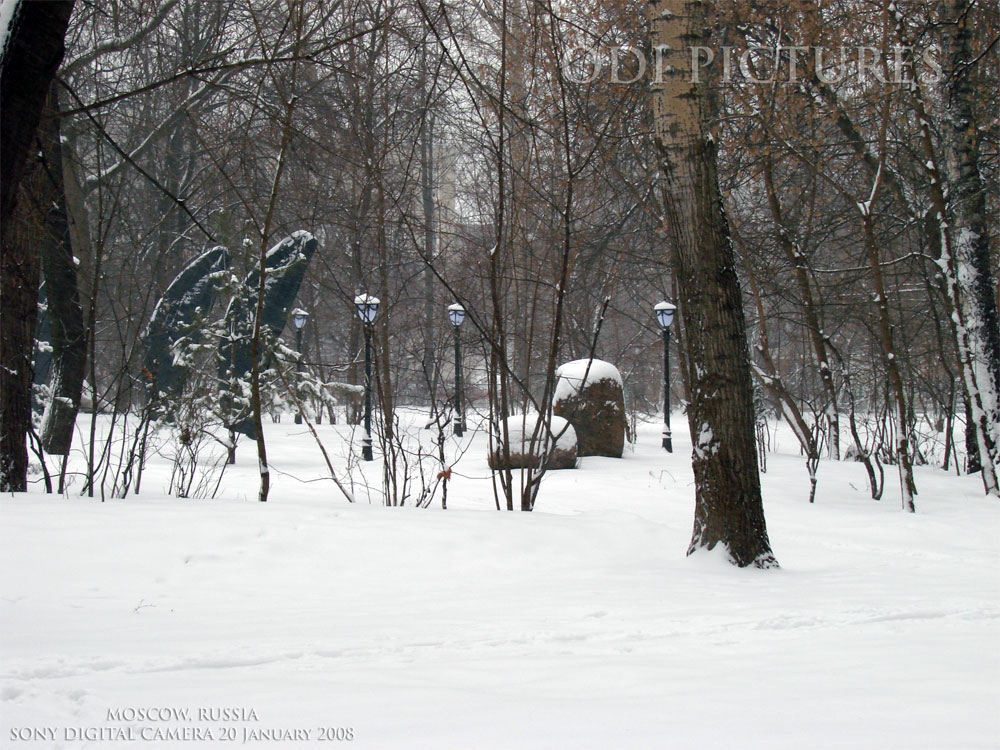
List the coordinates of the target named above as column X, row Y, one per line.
column 665, row 316
column 299, row 318
column 456, row 314
column 367, row 307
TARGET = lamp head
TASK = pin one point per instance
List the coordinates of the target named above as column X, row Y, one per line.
column 456, row 314
column 299, row 318
column 664, row 314
column 367, row 307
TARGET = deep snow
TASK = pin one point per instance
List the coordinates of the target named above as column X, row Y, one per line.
column 581, row 625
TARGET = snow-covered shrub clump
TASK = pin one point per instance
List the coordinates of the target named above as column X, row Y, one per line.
column 590, row 395
column 531, row 442
column 580, row 373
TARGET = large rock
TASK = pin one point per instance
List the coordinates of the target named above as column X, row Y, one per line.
column 589, row 394
column 526, row 452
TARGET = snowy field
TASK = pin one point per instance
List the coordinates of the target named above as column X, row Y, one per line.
column 308, row 622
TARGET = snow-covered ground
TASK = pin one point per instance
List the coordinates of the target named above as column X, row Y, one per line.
column 581, row 625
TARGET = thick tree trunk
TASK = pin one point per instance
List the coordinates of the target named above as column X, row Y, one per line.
column 19, row 297
column 728, row 505
column 32, row 56
column 68, row 336
column 33, row 53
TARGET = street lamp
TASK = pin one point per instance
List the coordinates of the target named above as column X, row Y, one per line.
column 299, row 318
column 456, row 314
column 665, row 316
column 367, row 307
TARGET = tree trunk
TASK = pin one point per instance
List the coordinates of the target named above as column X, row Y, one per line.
column 33, row 53
column 19, row 294
column 255, row 344
column 896, row 390
column 972, row 462
column 968, row 266
column 69, row 338
column 728, row 505
column 430, row 237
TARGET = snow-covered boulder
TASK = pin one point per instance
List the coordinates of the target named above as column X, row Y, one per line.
column 527, row 448
column 590, row 395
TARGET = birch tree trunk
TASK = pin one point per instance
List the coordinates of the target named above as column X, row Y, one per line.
column 728, row 505
column 967, row 266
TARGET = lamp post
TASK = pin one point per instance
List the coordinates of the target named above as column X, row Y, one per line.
column 665, row 316
column 367, row 307
column 456, row 314
column 299, row 318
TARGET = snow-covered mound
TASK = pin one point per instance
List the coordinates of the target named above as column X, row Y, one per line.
column 521, row 428
column 574, row 376
column 589, row 393
column 528, row 441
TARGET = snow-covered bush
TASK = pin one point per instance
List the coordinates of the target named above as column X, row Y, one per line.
column 589, row 394
column 532, row 445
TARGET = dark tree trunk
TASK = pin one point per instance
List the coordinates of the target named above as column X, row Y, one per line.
column 430, row 313
column 430, row 237
column 68, row 336
column 728, row 506
column 34, row 51
column 972, row 464
column 19, row 296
